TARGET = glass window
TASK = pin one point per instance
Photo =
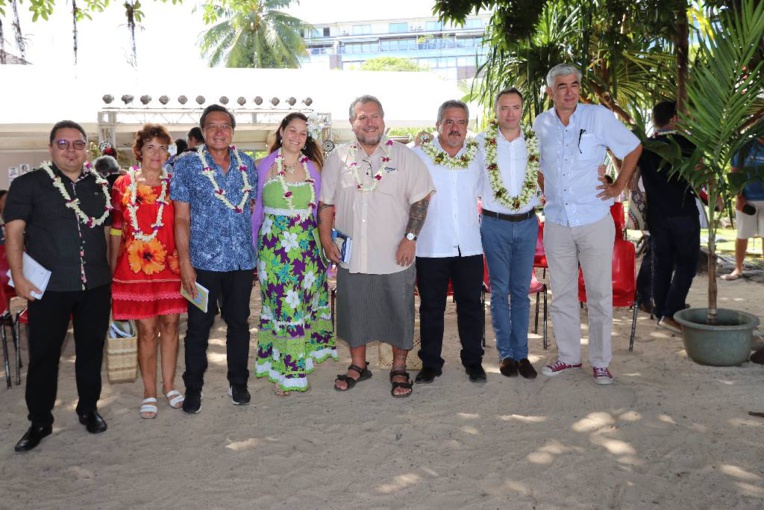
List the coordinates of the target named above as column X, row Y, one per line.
column 361, row 29
column 434, row 25
column 474, row 23
column 397, row 28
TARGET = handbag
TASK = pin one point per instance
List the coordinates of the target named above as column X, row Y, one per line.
column 122, row 352
column 637, row 215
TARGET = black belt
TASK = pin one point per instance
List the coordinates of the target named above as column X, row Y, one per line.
column 510, row 217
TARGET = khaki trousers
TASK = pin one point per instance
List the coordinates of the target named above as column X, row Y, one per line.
column 591, row 246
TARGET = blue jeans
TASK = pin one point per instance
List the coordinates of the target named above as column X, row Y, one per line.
column 509, row 248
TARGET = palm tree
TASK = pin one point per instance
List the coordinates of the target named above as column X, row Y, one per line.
column 20, row 42
column 722, row 95
column 252, row 33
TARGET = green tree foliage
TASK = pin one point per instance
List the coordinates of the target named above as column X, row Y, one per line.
column 252, row 33
column 390, row 64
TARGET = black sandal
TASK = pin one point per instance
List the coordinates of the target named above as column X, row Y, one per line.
column 365, row 373
column 408, row 385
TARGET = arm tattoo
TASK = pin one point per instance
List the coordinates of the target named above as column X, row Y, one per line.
column 417, row 215
column 321, row 207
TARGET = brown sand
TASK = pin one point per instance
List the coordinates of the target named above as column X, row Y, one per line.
column 668, row 434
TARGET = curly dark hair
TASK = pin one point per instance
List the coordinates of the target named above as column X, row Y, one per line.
column 149, row 132
column 312, row 149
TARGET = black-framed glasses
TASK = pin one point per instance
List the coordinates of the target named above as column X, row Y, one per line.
column 64, row 145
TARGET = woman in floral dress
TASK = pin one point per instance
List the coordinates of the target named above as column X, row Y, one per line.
column 295, row 320
column 146, row 283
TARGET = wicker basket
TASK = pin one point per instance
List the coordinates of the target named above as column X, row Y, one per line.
column 412, row 360
column 122, row 357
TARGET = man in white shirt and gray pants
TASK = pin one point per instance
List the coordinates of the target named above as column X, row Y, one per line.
column 573, row 138
column 448, row 247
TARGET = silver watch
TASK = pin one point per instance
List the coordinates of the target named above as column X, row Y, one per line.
column 411, row 236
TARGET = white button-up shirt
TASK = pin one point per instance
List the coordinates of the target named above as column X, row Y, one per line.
column 570, row 156
column 452, row 226
column 512, row 159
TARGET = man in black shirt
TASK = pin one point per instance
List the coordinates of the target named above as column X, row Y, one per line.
column 672, row 219
column 59, row 215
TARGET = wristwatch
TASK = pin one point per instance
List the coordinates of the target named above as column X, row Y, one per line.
column 411, row 236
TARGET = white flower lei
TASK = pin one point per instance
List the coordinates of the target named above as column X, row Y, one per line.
column 441, row 157
column 219, row 192
column 285, row 188
column 132, row 206
column 74, row 203
column 353, row 166
column 530, row 184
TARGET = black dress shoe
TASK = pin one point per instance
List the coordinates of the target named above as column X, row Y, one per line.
column 526, row 369
column 427, row 375
column 33, row 436
column 476, row 373
column 93, row 422
column 508, row 367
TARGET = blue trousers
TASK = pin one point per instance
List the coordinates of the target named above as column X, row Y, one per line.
column 509, row 248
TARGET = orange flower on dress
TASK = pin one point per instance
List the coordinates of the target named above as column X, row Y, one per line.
column 174, row 262
column 148, row 257
column 145, row 195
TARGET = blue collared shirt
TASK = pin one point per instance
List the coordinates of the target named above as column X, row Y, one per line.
column 221, row 239
column 570, row 156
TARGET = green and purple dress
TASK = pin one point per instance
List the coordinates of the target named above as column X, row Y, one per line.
column 295, row 320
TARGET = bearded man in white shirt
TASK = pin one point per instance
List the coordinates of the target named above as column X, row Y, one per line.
column 579, row 230
column 448, row 247
column 509, row 228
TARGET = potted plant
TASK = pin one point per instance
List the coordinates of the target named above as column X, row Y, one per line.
column 723, row 95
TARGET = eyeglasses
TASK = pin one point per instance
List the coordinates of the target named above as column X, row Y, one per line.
column 218, row 127
column 155, row 148
column 64, row 144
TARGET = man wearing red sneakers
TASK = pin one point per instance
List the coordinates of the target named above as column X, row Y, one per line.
column 573, row 138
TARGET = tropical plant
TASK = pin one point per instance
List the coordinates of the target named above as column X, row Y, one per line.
column 252, row 33
column 722, row 95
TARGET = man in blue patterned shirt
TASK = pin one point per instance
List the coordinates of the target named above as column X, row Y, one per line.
column 214, row 189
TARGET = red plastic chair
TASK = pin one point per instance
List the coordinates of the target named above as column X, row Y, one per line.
column 624, row 282
column 6, row 320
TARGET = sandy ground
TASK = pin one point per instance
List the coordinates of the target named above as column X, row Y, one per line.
column 668, row 434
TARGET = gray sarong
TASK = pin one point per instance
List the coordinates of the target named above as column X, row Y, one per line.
column 376, row 308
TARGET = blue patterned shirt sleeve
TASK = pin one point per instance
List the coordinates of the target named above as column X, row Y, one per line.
column 221, row 238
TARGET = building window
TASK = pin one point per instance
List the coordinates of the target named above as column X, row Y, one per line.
column 434, row 25
column 398, row 28
column 474, row 23
column 361, row 29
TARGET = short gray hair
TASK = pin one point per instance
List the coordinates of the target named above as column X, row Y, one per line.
column 106, row 165
column 452, row 103
column 363, row 100
column 561, row 70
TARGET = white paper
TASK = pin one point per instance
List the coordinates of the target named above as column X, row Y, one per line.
column 35, row 273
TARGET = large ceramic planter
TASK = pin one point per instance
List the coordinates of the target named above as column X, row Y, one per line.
column 723, row 344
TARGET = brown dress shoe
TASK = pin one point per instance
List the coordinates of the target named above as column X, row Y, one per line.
column 508, row 367
column 526, row 369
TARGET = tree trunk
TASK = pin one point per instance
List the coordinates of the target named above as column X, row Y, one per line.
column 682, row 44
column 17, row 31
column 75, row 9
column 2, row 44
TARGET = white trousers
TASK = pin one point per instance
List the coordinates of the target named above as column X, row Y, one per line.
column 591, row 246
